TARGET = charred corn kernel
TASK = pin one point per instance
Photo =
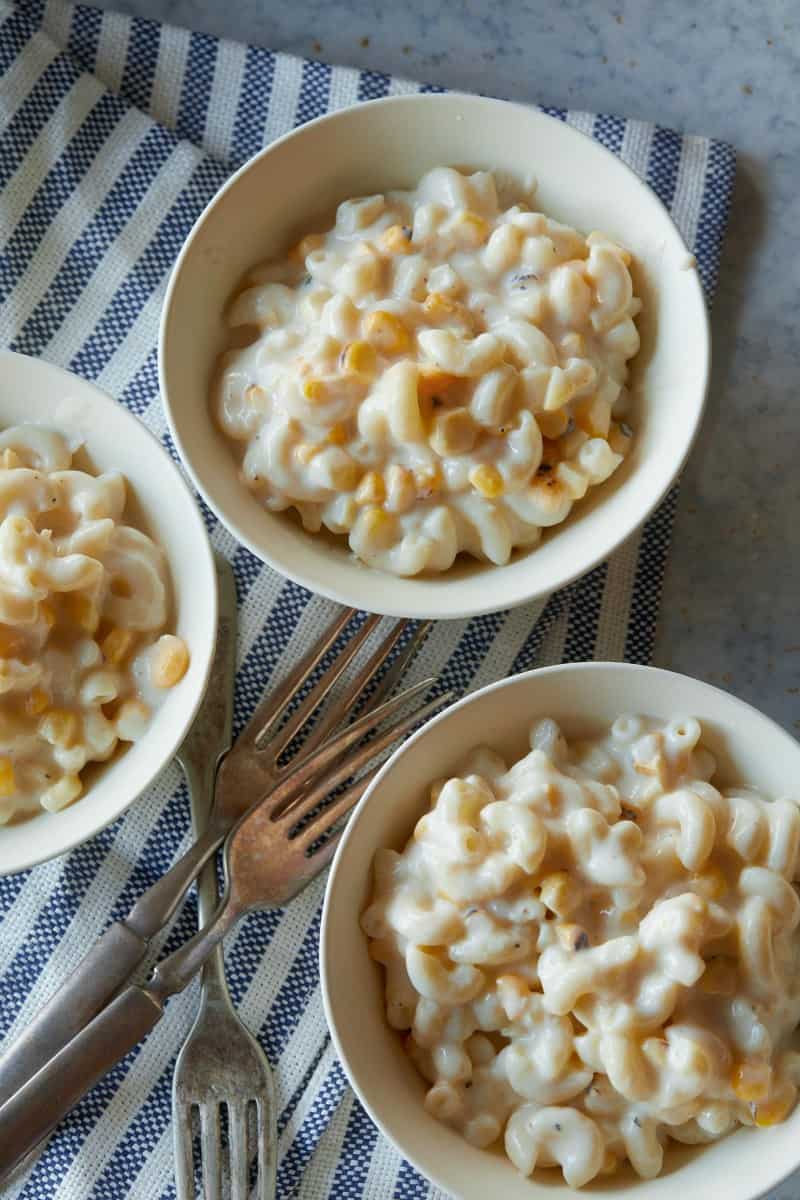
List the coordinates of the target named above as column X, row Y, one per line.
column 439, row 307
column 305, row 452
column 712, row 882
column 772, row 1112
column 83, row 612
column 487, row 480
column 619, row 437
column 553, row 424
column 36, row 702
column 256, row 398
column 371, row 490
column 401, row 488
column 573, row 937
column 346, row 475
column 513, row 992
column 307, row 244
column 9, row 460
column 453, row 432
column 170, row 661
column 62, row 793
column 12, row 643
column 471, row 229
column 359, row 358
column 117, row 645
column 386, row 332
column 46, row 614
column 719, row 978
column 337, row 435
column 314, row 390
column 435, row 385
column 59, row 727
column 751, row 1080
column 592, row 415
column 396, row 240
column 8, row 783
column 131, row 720
column 609, row 1163
column 428, row 480
column 558, row 893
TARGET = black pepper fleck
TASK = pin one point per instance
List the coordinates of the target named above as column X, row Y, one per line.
column 627, row 814
column 557, row 1127
column 582, row 940
column 637, row 1122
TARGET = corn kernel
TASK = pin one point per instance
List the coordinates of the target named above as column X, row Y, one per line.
column 376, row 524
column 439, row 307
column 314, row 390
column 712, row 883
column 401, row 488
column 117, row 645
column 396, row 240
column 553, row 424
column 751, row 1080
column 62, row 793
column 8, row 783
column 371, row 490
column 345, row 475
column 435, row 385
column 558, row 893
column 772, row 1112
column 359, row 358
column 130, row 721
column 311, row 242
column 386, row 332
column 59, row 727
column 487, row 480
column 472, row 231
column 36, row 702
column 454, row 432
column 12, row 642
column 719, row 978
column 337, row 435
column 428, row 480
column 170, row 661
column 305, row 451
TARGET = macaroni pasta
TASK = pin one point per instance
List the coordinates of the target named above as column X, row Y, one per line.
column 84, row 600
column 435, row 374
column 595, row 950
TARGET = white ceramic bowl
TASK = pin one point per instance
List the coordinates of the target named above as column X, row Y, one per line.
column 584, row 698
column 32, row 391
column 390, row 143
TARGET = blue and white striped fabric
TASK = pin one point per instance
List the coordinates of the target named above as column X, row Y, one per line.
column 114, row 133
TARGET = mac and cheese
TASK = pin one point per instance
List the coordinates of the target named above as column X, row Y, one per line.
column 84, row 600
column 435, row 374
column 595, row 949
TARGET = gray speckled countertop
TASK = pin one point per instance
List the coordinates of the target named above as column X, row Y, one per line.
column 729, row 68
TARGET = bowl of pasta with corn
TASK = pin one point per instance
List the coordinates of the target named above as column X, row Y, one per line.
column 433, row 355
column 107, row 610
column 560, row 941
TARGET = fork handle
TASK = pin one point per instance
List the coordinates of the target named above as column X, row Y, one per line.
column 35, row 1110
column 108, row 965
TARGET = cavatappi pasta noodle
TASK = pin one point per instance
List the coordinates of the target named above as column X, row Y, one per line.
column 84, row 602
column 595, row 950
column 435, row 374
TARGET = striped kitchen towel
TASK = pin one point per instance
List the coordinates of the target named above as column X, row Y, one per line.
column 114, row 134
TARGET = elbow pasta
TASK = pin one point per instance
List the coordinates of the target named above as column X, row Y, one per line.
column 434, row 375
column 84, row 600
column 595, row 949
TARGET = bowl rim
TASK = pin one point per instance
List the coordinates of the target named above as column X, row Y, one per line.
column 449, row 609
column 327, row 951
column 206, row 566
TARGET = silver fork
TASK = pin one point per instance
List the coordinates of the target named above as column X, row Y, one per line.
column 275, row 848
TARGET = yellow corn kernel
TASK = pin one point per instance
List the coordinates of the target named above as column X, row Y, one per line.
column 558, row 893
column 402, row 487
column 170, row 661
column 592, row 415
column 387, row 332
column 36, row 702
column 59, row 727
column 337, row 435
column 712, row 883
column 12, row 642
column 772, row 1112
column 454, row 432
column 487, row 480
column 8, row 783
column 9, row 460
column 434, row 385
column 396, row 240
column 371, row 490
column 374, row 522
column 61, row 793
column 345, row 475
column 471, row 230
column 751, row 1080
column 428, row 480
column 359, row 358
column 553, row 424
column 312, row 241
column 573, row 937
column 439, row 307
column 117, row 645
column 314, row 390
column 719, row 978
column 305, row 451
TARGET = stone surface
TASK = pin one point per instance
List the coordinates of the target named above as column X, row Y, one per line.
column 729, row 68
